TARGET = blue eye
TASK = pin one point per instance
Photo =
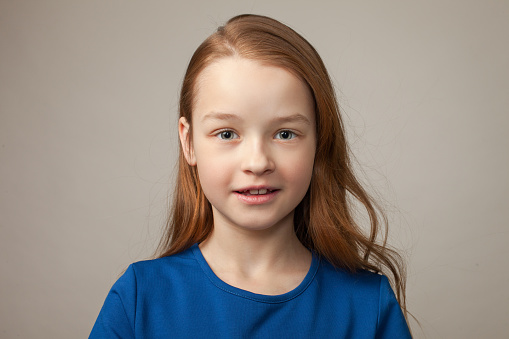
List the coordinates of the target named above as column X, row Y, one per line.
column 285, row 135
column 227, row 135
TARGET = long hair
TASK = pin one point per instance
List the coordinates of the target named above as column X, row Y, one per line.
column 324, row 220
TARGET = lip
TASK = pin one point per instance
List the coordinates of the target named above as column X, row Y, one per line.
column 256, row 199
column 255, row 187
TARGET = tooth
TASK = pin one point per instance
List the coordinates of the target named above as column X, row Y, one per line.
column 262, row 191
column 253, row 191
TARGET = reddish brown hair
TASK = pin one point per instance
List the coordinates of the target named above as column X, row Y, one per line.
column 323, row 221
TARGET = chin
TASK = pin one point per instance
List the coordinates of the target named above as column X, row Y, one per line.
column 263, row 225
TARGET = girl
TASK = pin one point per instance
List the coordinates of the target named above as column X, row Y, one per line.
column 262, row 240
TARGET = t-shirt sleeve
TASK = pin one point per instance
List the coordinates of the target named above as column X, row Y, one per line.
column 116, row 319
column 391, row 322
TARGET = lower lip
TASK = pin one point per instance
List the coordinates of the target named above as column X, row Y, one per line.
column 256, row 199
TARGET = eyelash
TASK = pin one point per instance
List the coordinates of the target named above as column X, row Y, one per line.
column 292, row 134
column 221, row 133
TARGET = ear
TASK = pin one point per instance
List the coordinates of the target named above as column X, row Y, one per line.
column 185, row 141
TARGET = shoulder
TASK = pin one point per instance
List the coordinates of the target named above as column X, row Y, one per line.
column 168, row 271
column 360, row 280
column 369, row 294
column 177, row 262
column 365, row 286
column 142, row 286
column 143, row 276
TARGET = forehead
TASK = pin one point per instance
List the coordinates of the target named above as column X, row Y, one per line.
column 239, row 85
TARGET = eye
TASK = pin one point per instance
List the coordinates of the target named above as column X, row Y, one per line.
column 285, row 135
column 227, row 135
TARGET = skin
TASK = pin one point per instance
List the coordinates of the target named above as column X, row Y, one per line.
column 253, row 127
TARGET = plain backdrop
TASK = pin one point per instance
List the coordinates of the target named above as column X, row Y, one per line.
column 88, row 142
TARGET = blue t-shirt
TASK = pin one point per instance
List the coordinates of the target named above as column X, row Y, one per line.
column 180, row 297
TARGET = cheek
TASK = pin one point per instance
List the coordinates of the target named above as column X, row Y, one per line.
column 299, row 169
column 213, row 170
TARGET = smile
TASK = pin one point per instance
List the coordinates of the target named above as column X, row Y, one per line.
column 256, row 196
column 261, row 191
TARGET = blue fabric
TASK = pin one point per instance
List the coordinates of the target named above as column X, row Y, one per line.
column 180, row 297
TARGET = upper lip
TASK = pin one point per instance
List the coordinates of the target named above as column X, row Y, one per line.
column 255, row 187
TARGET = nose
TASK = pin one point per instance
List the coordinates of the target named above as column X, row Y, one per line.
column 257, row 158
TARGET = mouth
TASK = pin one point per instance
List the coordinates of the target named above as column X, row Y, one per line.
column 257, row 195
column 261, row 191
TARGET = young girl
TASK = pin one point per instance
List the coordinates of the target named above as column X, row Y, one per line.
column 262, row 241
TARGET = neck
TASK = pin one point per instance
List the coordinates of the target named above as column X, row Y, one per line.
column 249, row 252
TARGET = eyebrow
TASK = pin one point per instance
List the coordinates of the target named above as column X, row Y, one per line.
column 220, row 116
column 294, row 118
column 227, row 116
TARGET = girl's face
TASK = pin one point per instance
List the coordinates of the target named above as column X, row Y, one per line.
column 253, row 142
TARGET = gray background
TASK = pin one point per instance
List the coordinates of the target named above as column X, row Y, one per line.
column 88, row 104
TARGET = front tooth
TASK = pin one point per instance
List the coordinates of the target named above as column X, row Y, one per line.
column 253, row 192
column 262, row 191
